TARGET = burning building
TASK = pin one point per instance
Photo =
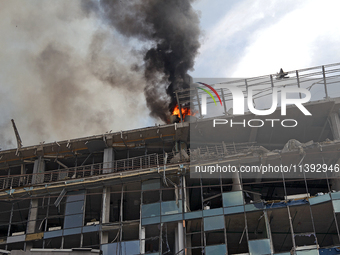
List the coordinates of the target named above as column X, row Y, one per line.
column 136, row 192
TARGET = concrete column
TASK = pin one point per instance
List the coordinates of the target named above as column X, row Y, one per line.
column 236, row 182
column 105, row 213
column 38, row 170
column 32, row 221
column 22, row 172
column 108, row 160
column 180, row 237
column 335, row 122
column 142, row 237
column 38, row 177
column 176, row 240
column 32, row 217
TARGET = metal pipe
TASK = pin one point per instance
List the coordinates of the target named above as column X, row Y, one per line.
column 324, row 80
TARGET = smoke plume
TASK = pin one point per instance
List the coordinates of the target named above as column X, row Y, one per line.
column 76, row 68
column 172, row 27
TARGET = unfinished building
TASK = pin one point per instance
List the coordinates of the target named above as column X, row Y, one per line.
column 135, row 192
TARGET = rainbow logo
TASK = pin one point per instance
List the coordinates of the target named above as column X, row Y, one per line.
column 209, row 93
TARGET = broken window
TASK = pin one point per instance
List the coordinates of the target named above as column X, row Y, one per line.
column 236, row 233
column 302, row 225
column 214, row 237
column 91, row 240
column 280, row 229
column 325, row 227
column 19, row 217
column 55, row 217
column 151, row 241
column 212, row 195
column 194, row 234
column 93, row 206
column 257, row 225
column 131, row 206
column 115, row 203
column 72, row 241
column 170, row 238
column 5, row 215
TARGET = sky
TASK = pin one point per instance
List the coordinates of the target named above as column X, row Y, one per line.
column 55, row 89
column 251, row 38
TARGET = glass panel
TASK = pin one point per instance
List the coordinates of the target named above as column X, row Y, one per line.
column 15, row 239
column 335, row 195
column 212, row 212
column 216, row 249
column 73, row 221
column 319, row 199
column 151, row 210
column 307, row 252
column 174, row 217
column 92, row 228
column 254, row 207
column 149, row 221
column 232, row 198
column 74, row 207
column 131, row 247
column 233, row 210
column 211, row 223
column 110, row 249
column 72, row 231
column 336, row 205
column 75, row 196
column 259, row 247
column 51, row 234
column 170, row 207
column 151, row 184
column 193, row 215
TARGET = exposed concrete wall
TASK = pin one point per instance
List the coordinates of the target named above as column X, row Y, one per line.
column 108, row 160
column 38, row 169
column 180, row 238
column 335, row 122
column 32, row 217
column 31, row 224
column 142, row 242
column 105, row 213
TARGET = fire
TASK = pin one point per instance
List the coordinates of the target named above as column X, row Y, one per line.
column 185, row 111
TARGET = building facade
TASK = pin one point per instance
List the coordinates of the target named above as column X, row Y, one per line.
column 134, row 192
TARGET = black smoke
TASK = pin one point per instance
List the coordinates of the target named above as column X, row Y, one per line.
column 171, row 29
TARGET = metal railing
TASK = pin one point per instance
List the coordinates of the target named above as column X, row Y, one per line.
column 141, row 162
column 122, row 165
column 321, row 81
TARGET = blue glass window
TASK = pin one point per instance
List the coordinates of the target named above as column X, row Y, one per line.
column 212, row 223
column 232, row 198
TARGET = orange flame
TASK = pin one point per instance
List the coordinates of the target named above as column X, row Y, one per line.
column 185, row 111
